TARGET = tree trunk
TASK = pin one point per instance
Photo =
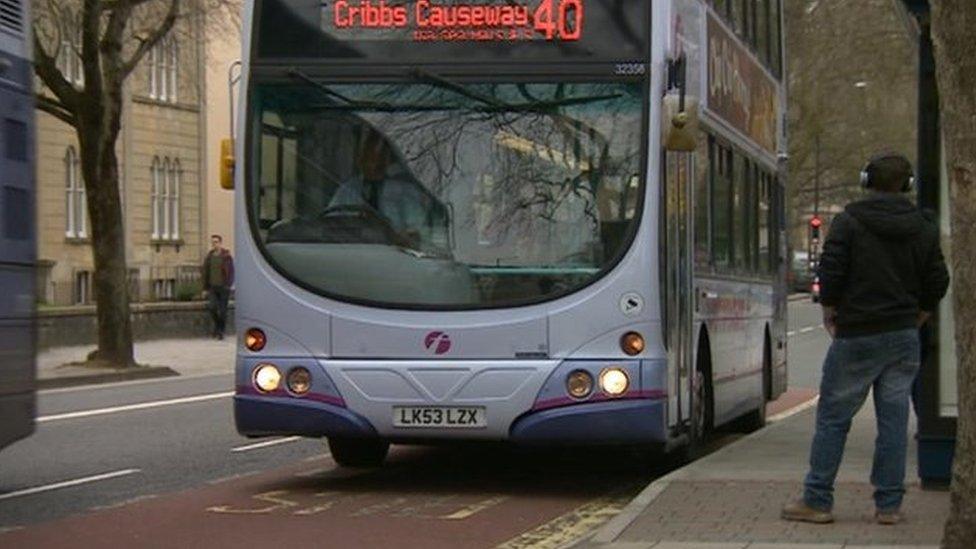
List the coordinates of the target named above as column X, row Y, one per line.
column 98, row 132
column 955, row 55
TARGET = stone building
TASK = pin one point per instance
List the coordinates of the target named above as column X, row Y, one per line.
column 163, row 199
column 222, row 49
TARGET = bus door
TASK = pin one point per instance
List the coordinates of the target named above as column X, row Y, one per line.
column 678, row 283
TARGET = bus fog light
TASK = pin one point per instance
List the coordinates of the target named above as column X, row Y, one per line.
column 632, row 344
column 267, row 378
column 299, row 380
column 579, row 384
column 255, row 340
column 614, row 381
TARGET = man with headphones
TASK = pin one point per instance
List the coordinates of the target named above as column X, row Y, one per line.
column 882, row 274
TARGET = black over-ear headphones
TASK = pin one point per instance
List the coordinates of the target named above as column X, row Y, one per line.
column 868, row 169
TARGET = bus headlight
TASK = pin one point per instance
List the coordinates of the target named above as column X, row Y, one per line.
column 267, row 378
column 579, row 384
column 614, row 381
column 299, row 380
column 632, row 344
column 255, row 340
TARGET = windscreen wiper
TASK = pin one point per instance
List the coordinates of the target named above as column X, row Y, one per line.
column 352, row 103
column 496, row 105
column 356, row 104
column 544, row 106
column 424, row 75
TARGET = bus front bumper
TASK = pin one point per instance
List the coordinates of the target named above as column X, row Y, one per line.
column 524, row 402
column 258, row 416
column 637, row 421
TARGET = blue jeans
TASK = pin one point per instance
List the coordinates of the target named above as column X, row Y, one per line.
column 218, row 301
column 887, row 362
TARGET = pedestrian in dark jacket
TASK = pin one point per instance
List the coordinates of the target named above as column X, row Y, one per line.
column 882, row 275
column 218, row 278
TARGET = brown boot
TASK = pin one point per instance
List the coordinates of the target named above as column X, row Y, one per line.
column 800, row 511
column 888, row 518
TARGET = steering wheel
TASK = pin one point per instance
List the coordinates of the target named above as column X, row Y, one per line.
column 362, row 210
column 368, row 214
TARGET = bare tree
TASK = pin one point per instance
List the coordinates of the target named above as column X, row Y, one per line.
column 955, row 56
column 851, row 81
column 113, row 37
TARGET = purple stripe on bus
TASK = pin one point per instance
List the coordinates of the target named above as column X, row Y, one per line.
column 654, row 394
column 281, row 393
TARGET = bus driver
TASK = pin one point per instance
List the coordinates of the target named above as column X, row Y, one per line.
column 384, row 186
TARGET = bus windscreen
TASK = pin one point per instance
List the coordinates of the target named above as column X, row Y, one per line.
column 438, row 30
column 424, row 194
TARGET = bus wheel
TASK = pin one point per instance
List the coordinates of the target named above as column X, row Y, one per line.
column 756, row 419
column 700, row 422
column 358, row 452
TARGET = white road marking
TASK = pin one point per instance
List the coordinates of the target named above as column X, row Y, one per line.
column 68, row 483
column 132, row 407
column 266, row 444
column 805, row 330
column 794, row 410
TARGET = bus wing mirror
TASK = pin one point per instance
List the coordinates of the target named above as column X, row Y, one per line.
column 680, row 111
column 227, row 164
column 680, row 123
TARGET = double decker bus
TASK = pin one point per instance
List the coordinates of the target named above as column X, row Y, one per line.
column 536, row 221
column 17, row 248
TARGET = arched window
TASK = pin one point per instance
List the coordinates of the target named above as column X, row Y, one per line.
column 167, row 177
column 153, row 73
column 156, row 180
column 164, row 70
column 76, row 214
column 175, row 180
column 69, row 51
column 174, row 63
column 164, row 200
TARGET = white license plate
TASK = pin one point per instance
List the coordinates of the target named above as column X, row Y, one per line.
column 440, row 417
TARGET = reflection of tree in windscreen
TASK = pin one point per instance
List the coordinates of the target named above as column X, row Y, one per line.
column 542, row 162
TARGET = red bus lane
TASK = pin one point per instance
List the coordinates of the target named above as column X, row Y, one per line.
column 423, row 498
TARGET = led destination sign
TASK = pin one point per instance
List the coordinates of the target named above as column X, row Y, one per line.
column 452, row 31
column 444, row 20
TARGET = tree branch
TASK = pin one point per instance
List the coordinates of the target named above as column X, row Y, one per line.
column 91, row 17
column 56, row 109
column 109, row 5
column 46, row 67
column 111, row 46
column 148, row 43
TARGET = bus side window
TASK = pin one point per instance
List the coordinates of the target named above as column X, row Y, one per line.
column 704, row 172
column 722, row 209
column 776, row 33
column 765, row 224
column 763, row 38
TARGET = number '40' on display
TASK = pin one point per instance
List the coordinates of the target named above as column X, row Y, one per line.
column 563, row 21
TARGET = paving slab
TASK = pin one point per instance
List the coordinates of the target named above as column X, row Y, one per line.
column 698, row 545
column 794, row 546
column 735, row 496
column 58, row 367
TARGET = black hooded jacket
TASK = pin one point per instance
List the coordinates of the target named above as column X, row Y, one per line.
column 881, row 265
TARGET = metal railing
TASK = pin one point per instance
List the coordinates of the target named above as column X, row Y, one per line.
column 180, row 283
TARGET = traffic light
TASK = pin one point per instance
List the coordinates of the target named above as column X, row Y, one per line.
column 815, row 224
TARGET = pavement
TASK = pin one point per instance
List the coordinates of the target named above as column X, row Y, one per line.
column 732, row 498
column 60, row 366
